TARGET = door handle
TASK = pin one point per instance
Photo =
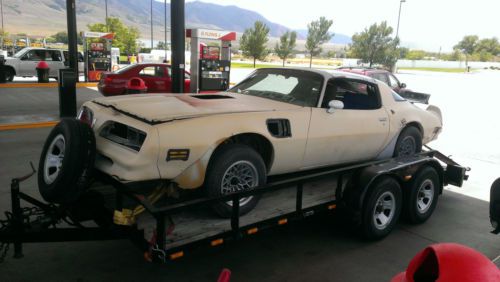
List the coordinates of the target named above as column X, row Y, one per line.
column 382, row 119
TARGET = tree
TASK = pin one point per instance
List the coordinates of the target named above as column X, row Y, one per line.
column 125, row 37
column 162, row 46
column 287, row 43
column 62, row 37
column 415, row 55
column 467, row 45
column 375, row 45
column 488, row 45
column 253, row 41
column 317, row 35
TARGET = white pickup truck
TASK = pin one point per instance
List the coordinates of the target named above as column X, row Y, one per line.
column 24, row 62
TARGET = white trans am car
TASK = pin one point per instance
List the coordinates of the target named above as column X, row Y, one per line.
column 275, row 121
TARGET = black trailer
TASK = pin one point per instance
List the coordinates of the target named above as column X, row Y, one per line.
column 371, row 194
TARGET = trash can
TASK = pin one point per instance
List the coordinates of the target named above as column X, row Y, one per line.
column 3, row 74
column 42, row 72
column 136, row 86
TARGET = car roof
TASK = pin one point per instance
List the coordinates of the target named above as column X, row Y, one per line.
column 328, row 74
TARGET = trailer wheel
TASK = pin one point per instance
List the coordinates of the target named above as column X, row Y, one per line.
column 409, row 142
column 66, row 162
column 382, row 208
column 423, row 196
column 235, row 168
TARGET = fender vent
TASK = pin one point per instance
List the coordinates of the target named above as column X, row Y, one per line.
column 279, row 128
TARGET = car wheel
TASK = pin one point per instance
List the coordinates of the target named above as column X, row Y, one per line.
column 409, row 142
column 67, row 161
column 9, row 74
column 235, row 168
column 382, row 208
column 422, row 198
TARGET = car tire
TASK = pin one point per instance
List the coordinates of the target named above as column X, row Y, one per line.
column 67, row 162
column 409, row 142
column 224, row 176
column 9, row 74
column 422, row 198
column 382, row 208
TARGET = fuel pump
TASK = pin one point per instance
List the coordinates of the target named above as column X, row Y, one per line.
column 210, row 65
column 97, row 52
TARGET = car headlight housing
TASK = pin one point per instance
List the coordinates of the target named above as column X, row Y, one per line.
column 87, row 116
column 125, row 135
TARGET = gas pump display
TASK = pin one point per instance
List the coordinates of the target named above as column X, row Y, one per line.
column 214, row 74
column 97, row 54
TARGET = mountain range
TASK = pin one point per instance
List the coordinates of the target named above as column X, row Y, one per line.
column 45, row 17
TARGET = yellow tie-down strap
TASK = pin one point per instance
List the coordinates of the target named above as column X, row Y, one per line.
column 128, row 216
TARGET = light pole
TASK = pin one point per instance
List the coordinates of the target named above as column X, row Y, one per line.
column 3, row 30
column 399, row 17
column 106, row 9
column 151, row 24
column 166, row 32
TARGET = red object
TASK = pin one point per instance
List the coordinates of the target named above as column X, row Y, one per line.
column 225, row 275
column 448, row 262
column 42, row 65
column 136, row 83
column 156, row 77
column 379, row 74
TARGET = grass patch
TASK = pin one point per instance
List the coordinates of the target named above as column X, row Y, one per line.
column 453, row 70
column 250, row 66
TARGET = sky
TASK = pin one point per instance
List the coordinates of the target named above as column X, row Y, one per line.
column 424, row 24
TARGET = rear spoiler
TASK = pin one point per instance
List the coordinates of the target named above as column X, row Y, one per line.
column 415, row 97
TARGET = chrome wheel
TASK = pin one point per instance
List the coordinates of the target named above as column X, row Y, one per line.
column 384, row 210
column 425, row 196
column 54, row 159
column 240, row 176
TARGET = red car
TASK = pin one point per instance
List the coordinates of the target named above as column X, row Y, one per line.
column 156, row 76
column 391, row 80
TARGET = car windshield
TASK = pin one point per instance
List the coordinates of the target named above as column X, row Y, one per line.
column 19, row 53
column 298, row 87
column 124, row 69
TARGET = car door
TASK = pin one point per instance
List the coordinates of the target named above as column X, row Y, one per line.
column 357, row 132
column 187, row 81
column 394, row 83
column 155, row 77
column 29, row 61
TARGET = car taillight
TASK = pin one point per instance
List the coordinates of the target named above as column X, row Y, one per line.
column 124, row 135
column 86, row 115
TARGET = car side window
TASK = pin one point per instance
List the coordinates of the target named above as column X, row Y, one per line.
column 186, row 74
column 355, row 94
column 153, row 71
column 34, row 55
column 394, row 82
column 53, row 55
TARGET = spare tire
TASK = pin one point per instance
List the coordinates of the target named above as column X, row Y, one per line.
column 67, row 162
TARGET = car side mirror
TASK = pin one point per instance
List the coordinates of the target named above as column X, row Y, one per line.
column 335, row 105
column 403, row 85
column 495, row 206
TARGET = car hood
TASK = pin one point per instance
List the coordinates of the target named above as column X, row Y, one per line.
column 159, row 108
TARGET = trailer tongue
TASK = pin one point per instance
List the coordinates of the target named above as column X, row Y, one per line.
column 370, row 192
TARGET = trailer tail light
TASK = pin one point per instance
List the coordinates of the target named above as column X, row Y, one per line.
column 332, row 207
column 252, row 230
column 217, row 242
column 177, row 255
column 282, row 221
column 87, row 116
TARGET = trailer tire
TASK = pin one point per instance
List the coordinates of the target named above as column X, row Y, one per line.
column 67, row 162
column 409, row 142
column 227, row 165
column 382, row 208
column 422, row 198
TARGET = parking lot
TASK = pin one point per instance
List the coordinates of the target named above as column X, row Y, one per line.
column 318, row 249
